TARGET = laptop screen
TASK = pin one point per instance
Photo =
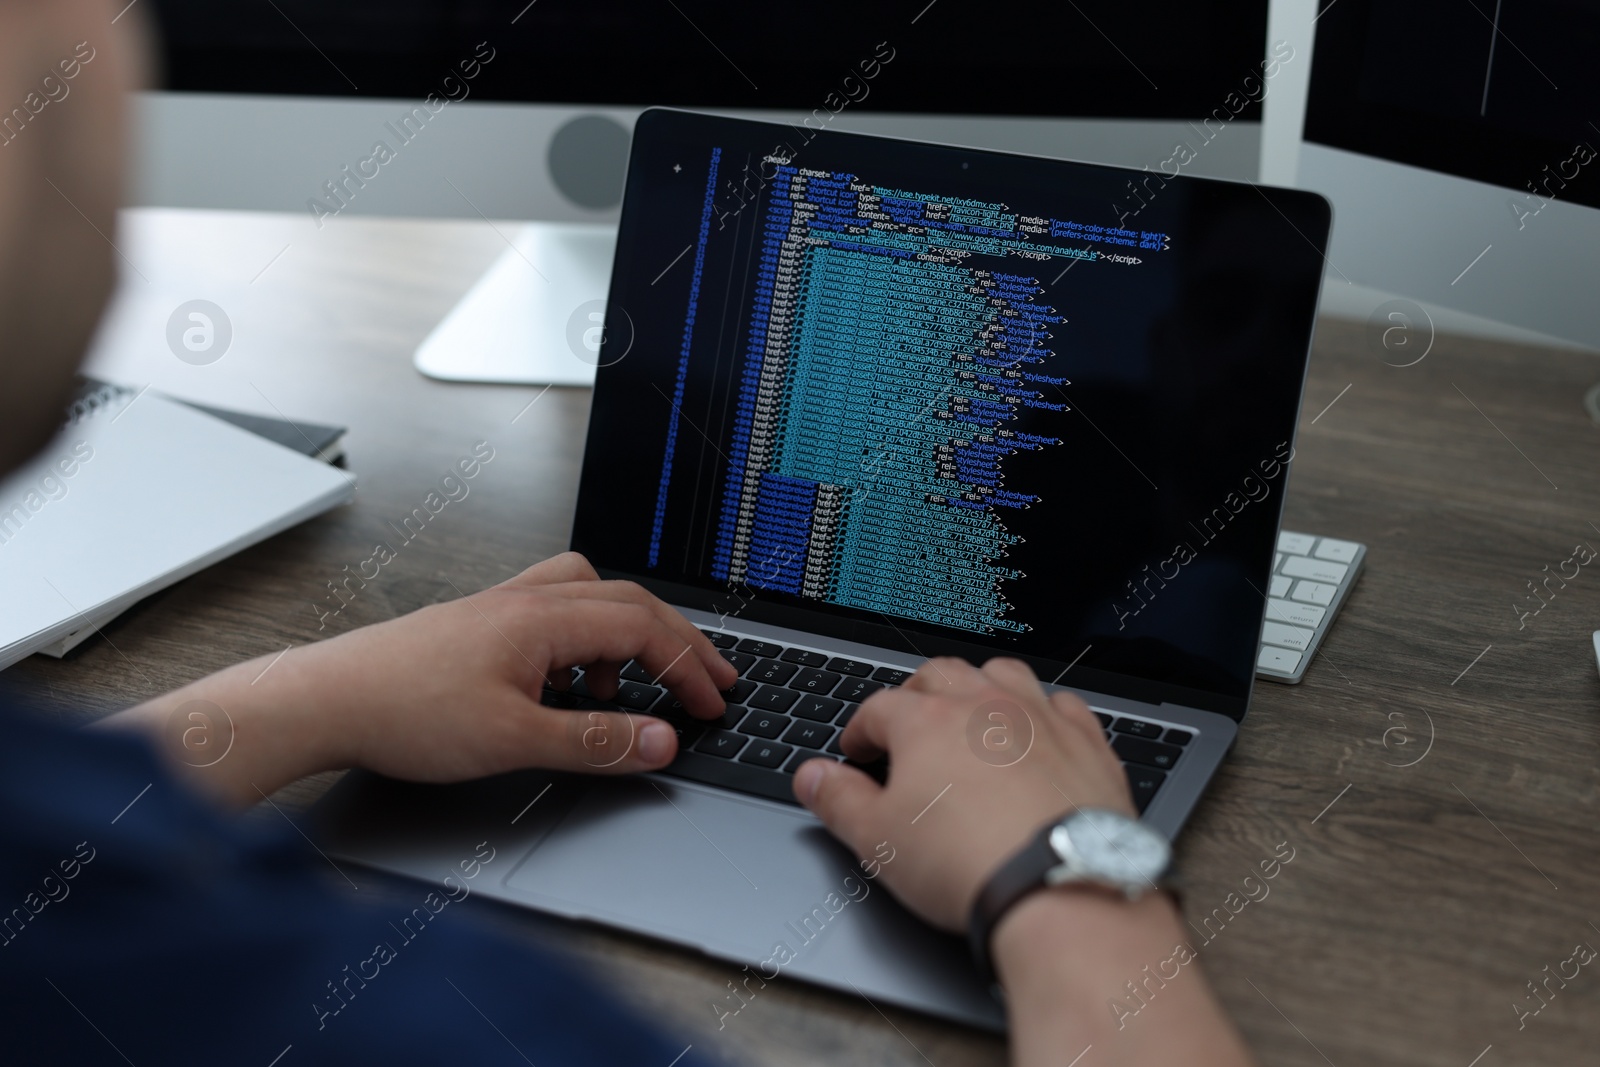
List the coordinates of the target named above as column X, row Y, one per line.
column 953, row 402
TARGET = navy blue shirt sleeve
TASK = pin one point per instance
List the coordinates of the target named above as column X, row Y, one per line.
column 139, row 925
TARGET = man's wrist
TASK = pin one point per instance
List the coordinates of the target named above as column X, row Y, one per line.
column 1073, row 933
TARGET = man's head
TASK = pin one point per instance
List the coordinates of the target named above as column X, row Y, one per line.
column 62, row 145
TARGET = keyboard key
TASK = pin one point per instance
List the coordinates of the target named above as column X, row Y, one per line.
column 1144, row 782
column 1178, row 737
column 1277, row 561
column 805, row 657
column 1295, row 637
column 1138, row 728
column 799, row 757
column 1316, row 570
column 635, row 672
column 720, row 743
column 1314, row 593
column 730, row 716
column 817, row 709
column 1278, row 659
column 637, row 696
column 759, row 648
column 891, row 676
column 720, row 639
column 1288, row 611
column 739, row 691
column 771, row 698
column 846, row 715
column 771, row 671
column 1299, row 544
column 808, row 734
column 850, row 666
column 764, row 724
column 1105, row 720
column 1150, row 753
column 766, row 754
column 855, row 690
column 579, row 686
column 555, row 698
column 1337, row 551
column 742, row 661
column 1280, row 585
column 814, row 681
column 834, row 746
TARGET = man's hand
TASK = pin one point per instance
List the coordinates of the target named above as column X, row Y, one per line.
column 980, row 760
column 452, row 691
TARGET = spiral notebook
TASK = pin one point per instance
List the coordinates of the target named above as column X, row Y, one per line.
column 137, row 492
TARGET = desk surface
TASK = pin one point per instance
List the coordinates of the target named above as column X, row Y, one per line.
column 1436, row 774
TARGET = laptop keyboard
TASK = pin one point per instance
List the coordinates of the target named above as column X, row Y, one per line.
column 791, row 704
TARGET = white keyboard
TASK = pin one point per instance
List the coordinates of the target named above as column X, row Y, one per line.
column 1311, row 576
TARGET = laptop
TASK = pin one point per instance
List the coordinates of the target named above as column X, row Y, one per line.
column 863, row 401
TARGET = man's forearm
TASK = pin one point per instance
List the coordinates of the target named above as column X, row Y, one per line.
column 240, row 734
column 1081, row 967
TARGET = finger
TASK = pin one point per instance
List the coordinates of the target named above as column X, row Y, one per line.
column 603, row 677
column 633, row 593
column 1070, row 709
column 1016, row 677
column 609, row 632
column 867, row 736
column 845, row 799
column 599, row 742
column 942, row 674
column 567, row 567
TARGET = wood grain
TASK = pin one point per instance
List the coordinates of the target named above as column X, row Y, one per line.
column 1416, row 906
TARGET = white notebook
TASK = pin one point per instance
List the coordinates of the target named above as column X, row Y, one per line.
column 136, row 493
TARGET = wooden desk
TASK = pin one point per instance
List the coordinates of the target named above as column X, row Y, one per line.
column 1420, row 898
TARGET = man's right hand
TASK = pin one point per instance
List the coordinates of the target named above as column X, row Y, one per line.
column 980, row 760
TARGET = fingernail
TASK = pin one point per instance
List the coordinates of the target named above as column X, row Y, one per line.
column 655, row 743
column 806, row 780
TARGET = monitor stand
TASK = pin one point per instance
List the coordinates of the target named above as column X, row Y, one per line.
column 535, row 317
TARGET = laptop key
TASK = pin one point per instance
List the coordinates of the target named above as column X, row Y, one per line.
column 850, row 666
column 1149, row 753
column 817, row 709
column 766, row 754
column 741, row 660
column 720, row 639
column 805, row 657
column 759, row 648
column 763, row 724
column 814, row 681
column 1144, row 782
column 555, row 698
column 855, row 690
column 846, row 715
column 834, row 746
column 637, row 696
column 771, row 671
column 739, row 691
column 635, row 672
column 720, row 743
column 1105, row 720
column 808, row 734
column 771, row 698
column 1138, row 728
column 731, row 716
column 891, row 676
column 799, row 757
column 1178, row 737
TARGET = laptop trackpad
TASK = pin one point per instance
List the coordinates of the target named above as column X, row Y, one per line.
column 673, row 859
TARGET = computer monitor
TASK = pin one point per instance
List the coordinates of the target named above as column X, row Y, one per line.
column 1459, row 144
column 519, row 110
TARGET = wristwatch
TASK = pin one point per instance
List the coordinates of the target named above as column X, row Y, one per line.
column 1092, row 847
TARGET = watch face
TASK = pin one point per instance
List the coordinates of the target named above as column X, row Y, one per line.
column 1115, row 848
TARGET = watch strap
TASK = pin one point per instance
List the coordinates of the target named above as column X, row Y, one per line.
column 1017, row 877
